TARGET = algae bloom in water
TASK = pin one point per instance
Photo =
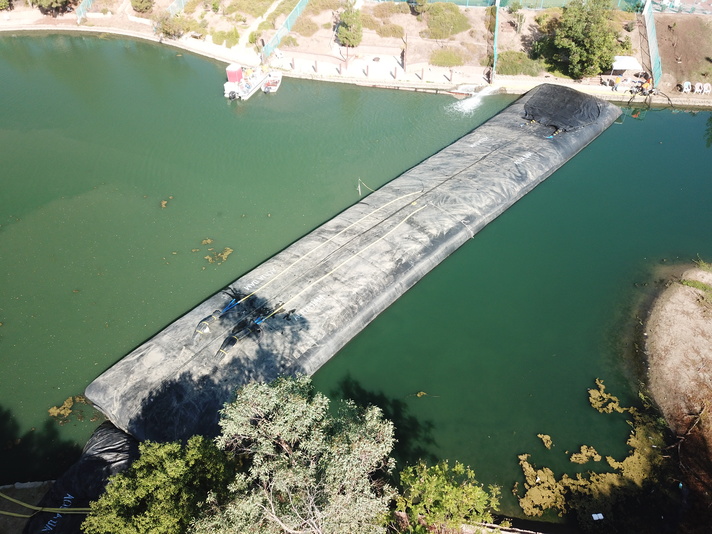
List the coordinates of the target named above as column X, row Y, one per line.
column 638, row 483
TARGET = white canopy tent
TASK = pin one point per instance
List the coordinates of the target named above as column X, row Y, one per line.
column 623, row 63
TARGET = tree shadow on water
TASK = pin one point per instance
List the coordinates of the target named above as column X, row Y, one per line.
column 38, row 454
column 414, row 436
column 189, row 403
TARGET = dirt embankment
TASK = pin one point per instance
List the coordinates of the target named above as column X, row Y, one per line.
column 679, row 351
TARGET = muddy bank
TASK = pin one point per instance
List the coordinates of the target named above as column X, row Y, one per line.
column 678, row 347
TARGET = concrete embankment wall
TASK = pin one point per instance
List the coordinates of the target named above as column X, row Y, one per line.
column 297, row 309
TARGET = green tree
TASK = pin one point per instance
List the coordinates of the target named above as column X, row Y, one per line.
column 309, row 471
column 350, row 30
column 584, row 38
column 172, row 26
column 4, row 4
column 440, row 497
column 142, row 6
column 53, row 6
column 162, row 490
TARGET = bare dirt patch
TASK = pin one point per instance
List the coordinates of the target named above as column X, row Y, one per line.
column 679, row 351
column 474, row 44
column 685, row 43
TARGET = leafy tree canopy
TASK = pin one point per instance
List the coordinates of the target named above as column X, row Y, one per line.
column 441, row 497
column 174, row 26
column 308, row 471
column 584, row 38
column 51, row 5
column 163, row 490
column 350, row 30
column 142, row 6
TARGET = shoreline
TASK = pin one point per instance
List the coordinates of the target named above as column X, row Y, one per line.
column 360, row 71
column 678, row 336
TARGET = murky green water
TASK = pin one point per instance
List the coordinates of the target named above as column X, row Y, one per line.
column 504, row 337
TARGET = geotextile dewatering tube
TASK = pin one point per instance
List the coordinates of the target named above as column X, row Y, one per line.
column 301, row 306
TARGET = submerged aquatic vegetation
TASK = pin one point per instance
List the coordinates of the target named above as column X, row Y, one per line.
column 635, row 484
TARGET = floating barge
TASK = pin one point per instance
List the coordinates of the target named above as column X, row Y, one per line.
column 295, row 311
column 243, row 82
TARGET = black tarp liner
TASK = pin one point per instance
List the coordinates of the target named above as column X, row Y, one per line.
column 310, row 299
column 108, row 451
column 562, row 108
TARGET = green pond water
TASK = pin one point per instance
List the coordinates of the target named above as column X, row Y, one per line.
column 504, row 337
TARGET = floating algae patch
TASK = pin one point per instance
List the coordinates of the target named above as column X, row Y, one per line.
column 637, row 489
column 73, row 406
column 584, row 455
column 219, row 257
column 605, row 402
column 546, row 440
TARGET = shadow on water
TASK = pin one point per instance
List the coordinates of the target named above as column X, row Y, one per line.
column 38, row 454
column 414, row 436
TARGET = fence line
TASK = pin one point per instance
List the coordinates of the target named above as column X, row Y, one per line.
column 176, row 7
column 284, row 30
column 494, row 45
column 82, row 9
column 656, row 64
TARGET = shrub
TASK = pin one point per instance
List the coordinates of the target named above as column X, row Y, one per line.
column 305, row 26
column 255, row 8
column 419, row 6
column 289, row 41
column 369, row 22
column 490, row 18
column 444, row 20
column 192, row 6
column 385, row 9
column 142, row 6
column 314, row 7
column 548, row 20
column 447, row 57
column 229, row 38
column 511, row 63
column 441, row 498
column 172, row 27
column 4, row 4
column 391, row 30
column 218, row 37
column 215, row 6
column 284, row 8
column 625, row 46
